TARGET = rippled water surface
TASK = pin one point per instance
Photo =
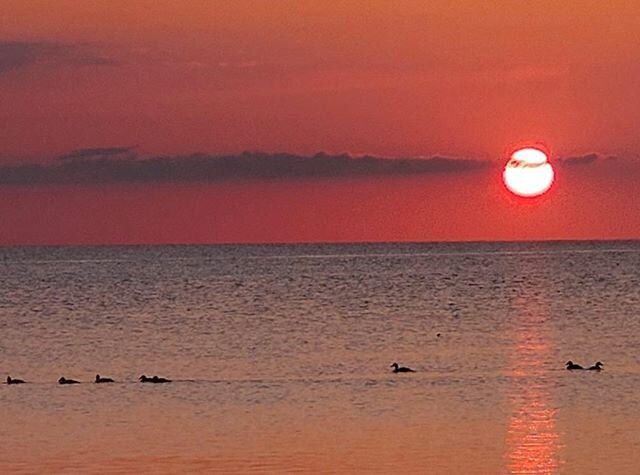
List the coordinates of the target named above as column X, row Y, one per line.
column 280, row 358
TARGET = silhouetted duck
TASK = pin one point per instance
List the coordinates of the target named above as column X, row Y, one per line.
column 64, row 380
column 99, row 379
column 11, row 380
column 596, row 367
column 571, row 365
column 401, row 369
column 154, row 379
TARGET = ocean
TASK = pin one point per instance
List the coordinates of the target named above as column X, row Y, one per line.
column 280, row 358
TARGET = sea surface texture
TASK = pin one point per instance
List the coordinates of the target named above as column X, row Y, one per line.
column 280, row 358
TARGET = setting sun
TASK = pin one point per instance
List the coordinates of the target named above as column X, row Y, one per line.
column 528, row 172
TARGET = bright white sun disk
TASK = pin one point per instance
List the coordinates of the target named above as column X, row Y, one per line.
column 528, row 172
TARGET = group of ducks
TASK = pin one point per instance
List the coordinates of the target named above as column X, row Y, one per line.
column 99, row 379
column 570, row 365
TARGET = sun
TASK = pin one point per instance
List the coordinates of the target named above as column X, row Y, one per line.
column 528, row 172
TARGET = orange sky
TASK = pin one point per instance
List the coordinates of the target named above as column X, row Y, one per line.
column 404, row 78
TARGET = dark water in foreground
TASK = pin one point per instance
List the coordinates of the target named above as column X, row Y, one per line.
column 280, row 358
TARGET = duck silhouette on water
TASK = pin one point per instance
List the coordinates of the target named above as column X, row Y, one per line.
column 64, row 380
column 401, row 369
column 153, row 379
column 11, row 380
column 596, row 367
column 100, row 379
column 570, row 365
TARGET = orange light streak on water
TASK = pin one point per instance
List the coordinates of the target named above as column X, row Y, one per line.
column 532, row 445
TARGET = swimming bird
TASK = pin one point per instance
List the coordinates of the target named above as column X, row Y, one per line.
column 64, row 380
column 99, row 379
column 596, row 367
column 571, row 365
column 11, row 380
column 153, row 379
column 401, row 369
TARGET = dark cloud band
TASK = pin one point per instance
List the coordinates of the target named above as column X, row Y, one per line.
column 121, row 165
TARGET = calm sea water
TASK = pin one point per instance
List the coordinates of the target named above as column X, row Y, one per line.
column 280, row 358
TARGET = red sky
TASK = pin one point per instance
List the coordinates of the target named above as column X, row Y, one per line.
column 463, row 79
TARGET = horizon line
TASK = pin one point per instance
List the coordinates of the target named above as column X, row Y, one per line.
column 325, row 243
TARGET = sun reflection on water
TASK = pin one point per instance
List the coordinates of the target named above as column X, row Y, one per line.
column 532, row 437
column 532, row 445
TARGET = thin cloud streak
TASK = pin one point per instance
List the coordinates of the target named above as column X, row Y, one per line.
column 99, row 153
column 15, row 55
column 588, row 159
column 121, row 165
